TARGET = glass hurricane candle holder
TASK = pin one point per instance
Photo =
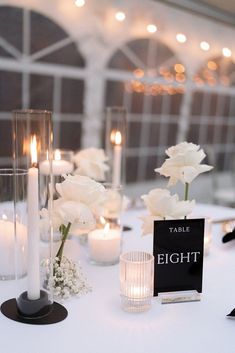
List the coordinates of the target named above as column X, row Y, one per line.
column 115, row 143
column 207, row 232
column 207, row 235
column 104, row 243
column 32, row 141
column 136, row 281
column 13, row 224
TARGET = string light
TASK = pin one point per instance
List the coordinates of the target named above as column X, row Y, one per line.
column 212, row 65
column 204, row 46
column 80, row 3
column 181, row 38
column 138, row 73
column 226, row 52
column 151, row 28
column 153, row 89
column 120, row 16
column 179, row 68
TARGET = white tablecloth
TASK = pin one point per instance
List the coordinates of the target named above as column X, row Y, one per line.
column 97, row 324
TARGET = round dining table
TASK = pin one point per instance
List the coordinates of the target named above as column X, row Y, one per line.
column 96, row 322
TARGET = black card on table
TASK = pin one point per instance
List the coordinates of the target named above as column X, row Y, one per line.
column 178, row 251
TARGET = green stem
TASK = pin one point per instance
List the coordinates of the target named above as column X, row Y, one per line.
column 186, row 191
column 64, row 231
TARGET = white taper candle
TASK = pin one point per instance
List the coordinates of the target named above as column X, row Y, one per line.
column 116, row 138
column 33, row 227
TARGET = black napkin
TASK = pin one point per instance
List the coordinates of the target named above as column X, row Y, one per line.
column 229, row 236
column 232, row 314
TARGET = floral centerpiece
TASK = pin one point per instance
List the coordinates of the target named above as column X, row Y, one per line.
column 183, row 164
column 74, row 212
column 92, row 162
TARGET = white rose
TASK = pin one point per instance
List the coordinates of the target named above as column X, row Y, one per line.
column 162, row 205
column 183, row 163
column 76, row 213
column 81, row 189
column 126, row 202
column 64, row 212
column 45, row 221
column 183, row 147
column 112, row 205
column 147, row 224
column 91, row 162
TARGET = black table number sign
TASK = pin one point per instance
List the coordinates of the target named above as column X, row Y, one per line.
column 178, row 251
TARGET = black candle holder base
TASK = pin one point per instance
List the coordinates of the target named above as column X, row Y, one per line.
column 56, row 314
column 126, row 228
column 31, row 309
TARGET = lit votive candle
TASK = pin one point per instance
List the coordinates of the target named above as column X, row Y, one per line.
column 138, row 292
column 105, row 245
column 59, row 166
column 136, row 280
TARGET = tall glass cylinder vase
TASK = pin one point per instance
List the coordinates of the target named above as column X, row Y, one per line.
column 13, row 219
column 115, row 143
column 32, row 141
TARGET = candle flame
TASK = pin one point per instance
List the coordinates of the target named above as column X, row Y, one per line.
column 116, row 137
column 33, row 150
column 57, row 155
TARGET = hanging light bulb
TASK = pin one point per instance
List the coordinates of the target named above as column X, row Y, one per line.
column 226, row 52
column 151, row 28
column 204, row 46
column 120, row 16
column 181, row 38
column 80, row 3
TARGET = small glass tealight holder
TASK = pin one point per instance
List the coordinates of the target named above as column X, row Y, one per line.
column 136, row 281
column 104, row 243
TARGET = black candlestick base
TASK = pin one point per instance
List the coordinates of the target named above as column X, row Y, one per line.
column 56, row 313
column 126, row 228
column 31, row 309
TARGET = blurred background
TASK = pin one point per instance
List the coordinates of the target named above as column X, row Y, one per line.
column 171, row 63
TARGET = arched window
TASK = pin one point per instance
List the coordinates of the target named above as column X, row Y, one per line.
column 213, row 109
column 40, row 68
column 147, row 78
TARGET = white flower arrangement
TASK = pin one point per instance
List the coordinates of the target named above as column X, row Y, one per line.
column 91, row 162
column 74, row 211
column 182, row 165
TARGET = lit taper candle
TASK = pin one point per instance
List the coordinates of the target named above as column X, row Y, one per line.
column 116, row 139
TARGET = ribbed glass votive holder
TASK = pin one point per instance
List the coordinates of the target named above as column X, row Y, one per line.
column 136, row 280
